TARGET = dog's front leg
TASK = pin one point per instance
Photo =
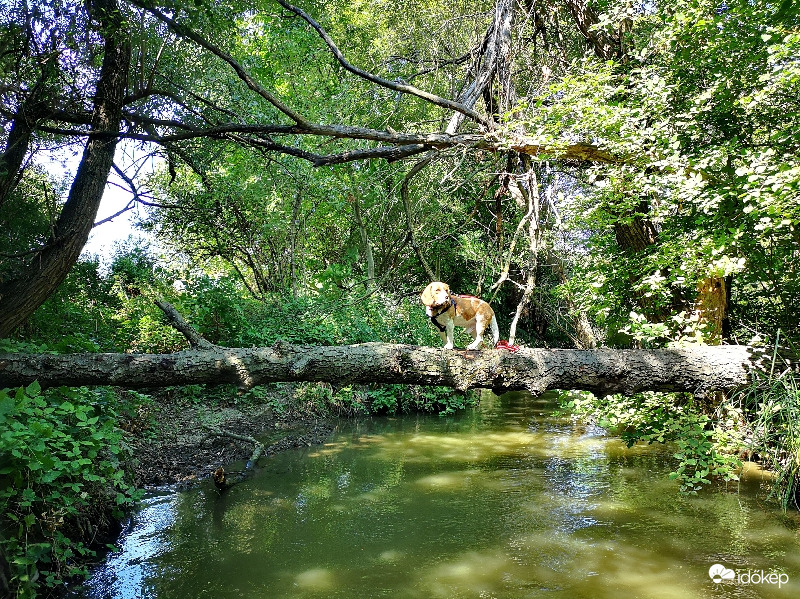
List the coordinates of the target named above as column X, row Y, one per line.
column 449, row 333
column 477, row 334
column 477, row 343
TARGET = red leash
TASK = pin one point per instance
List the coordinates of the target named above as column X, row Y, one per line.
column 503, row 344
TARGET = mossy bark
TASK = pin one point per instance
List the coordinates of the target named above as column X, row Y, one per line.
column 700, row 369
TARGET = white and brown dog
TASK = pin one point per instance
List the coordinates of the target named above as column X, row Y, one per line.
column 447, row 310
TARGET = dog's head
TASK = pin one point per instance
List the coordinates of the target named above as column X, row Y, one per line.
column 436, row 294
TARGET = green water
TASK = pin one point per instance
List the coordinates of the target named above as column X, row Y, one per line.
column 506, row 501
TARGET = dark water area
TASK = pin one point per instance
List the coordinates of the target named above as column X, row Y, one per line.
column 507, row 501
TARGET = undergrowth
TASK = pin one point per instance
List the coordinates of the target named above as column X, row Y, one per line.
column 675, row 418
column 359, row 400
column 772, row 406
column 759, row 422
column 61, row 483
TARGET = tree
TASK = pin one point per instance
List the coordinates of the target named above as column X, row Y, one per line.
column 718, row 214
column 697, row 370
column 124, row 106
column 614, row 96
column 43, row 272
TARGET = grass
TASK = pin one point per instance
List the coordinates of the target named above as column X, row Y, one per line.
column 772, row 406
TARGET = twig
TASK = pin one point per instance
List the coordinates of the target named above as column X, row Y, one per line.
column 257, row 451
column 220, row 477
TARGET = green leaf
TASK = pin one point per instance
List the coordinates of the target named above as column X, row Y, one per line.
column 33, row 389
column 7, row 406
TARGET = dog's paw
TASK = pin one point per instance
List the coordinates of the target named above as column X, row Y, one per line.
column 448, row 346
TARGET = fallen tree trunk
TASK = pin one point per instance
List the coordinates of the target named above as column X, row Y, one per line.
column 699, row 370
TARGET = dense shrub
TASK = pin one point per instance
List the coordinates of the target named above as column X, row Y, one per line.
column 761, row 422
column 61, row 483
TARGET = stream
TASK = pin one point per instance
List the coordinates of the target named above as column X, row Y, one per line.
column 506, row 500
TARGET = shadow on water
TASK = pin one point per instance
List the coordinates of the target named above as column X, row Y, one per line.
column 505, row 501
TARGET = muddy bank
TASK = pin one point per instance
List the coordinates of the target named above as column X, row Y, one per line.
column 177, row 442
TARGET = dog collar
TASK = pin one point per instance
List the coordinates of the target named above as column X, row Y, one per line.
column 448, row 305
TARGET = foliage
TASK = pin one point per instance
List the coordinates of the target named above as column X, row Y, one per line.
column 321, row 399
column 77, row 316
column 663, row 418
column 759, row 421
column 25, row 218
column 699, row 111
column 60, row 461
column 698, row 101
column 771, row 433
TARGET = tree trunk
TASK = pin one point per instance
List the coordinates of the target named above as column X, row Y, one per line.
column 362, row 229
column 293, row 235
column 21, row 296
column 531, row 192
column 603, row 44
column 700, row 369
column 19, row 137
column 712, row 307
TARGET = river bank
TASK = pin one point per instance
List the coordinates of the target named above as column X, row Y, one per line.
column 181, row 441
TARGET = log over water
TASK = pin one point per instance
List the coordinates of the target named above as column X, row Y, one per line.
column 699, row 369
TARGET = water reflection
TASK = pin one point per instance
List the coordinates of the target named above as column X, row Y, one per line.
column 506, row 501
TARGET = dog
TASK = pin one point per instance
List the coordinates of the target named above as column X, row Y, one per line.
column 447, row 310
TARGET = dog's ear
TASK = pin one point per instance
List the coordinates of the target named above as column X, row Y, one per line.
column 426, row 297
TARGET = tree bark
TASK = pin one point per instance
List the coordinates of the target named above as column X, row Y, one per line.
column 362, row 229
column 21, row 296
column 184, row 328
column 605, row 46
column 700, row 370
column 534, row 241
column 19, row 137
column 712, row 307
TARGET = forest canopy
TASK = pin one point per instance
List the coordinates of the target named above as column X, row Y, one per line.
column 608, row 172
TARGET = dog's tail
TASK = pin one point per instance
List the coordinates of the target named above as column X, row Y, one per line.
column 495, row 330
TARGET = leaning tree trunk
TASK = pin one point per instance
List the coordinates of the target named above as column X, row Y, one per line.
column 21, row 296
column 699, row 370
column 362, row 229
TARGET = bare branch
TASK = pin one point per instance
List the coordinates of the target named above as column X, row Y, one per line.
column 408, row 143
column 389, row 154
column 184, row 31
column 439, row 63
column 393, row 85
column 108, row 219
column 407, row 209
column 184, row 328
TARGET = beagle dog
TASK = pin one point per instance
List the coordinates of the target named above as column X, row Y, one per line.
column 447, row 310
